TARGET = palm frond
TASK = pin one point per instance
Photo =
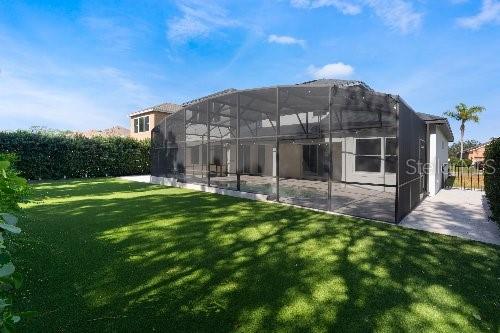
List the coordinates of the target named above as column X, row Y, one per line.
column 464, row 113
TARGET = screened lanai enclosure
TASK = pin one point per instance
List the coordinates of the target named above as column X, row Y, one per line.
column 329, row 144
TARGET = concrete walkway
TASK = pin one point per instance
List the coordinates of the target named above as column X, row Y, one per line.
column 457, row 213
column 141, row 179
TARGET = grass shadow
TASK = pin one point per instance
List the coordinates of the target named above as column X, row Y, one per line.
column 109, row 255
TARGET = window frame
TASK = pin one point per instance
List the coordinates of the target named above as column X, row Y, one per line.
column 371, row 155
column 383, row 154
column 390, row 155
column 141, row 124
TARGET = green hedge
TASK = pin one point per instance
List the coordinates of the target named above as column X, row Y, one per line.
column 55, row 156
column 492, row 177
column 455, row 161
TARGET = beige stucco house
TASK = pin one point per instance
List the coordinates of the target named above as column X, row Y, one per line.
column 143, row 121
column 476, row 154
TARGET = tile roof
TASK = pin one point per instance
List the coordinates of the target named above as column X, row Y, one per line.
column 201, row 99
column 479, row 146
column 334, row 82
column 165, row 107
column 430, row 118
column 314, row 83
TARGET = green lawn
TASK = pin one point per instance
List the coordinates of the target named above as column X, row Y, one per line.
column 108, row 255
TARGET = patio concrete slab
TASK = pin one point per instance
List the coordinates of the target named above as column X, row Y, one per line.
column 455, row 212
column 141, row 179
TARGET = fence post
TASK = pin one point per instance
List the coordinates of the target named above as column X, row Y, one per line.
column 461, row 177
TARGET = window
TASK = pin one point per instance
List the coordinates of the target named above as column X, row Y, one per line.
column 368, row 155
column 315, row 160
column 310, row 159
column 204, row 150
column 141, row 124
column 216, row 158
column 261, row 158
column 245, row 159
column 391, row 156
column 195, row 155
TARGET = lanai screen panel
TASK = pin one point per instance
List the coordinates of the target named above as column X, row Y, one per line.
column 323, row 147
column 304, row 146
column 363, row 150
column 223, row 126
column 172, row 156
column 257, row 143
column 157, row 150
column 196, row 145
column 412, row 158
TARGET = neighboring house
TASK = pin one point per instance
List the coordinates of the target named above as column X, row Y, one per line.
column 141, row 122
column 108, row 132
column 439, row 134
column 334, row 145
column 476, row 154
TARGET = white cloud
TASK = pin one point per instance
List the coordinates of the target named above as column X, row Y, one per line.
column 396, row 14
column 113, row 32
column 331, row 71
column 490, row 13
column 286, row 40
column 198, row 19
column 346, row 7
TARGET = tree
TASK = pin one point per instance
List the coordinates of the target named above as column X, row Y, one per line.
column 463, row 114
column 454, row 149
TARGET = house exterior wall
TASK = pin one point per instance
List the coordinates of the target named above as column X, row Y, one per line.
column 291, row 165
column 438, row 159
column 290, row 161
column 154, row 119
column 476, row 155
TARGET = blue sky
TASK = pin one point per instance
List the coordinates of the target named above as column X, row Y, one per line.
column 87, row 64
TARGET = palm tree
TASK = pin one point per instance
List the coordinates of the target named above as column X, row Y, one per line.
column 463, row 113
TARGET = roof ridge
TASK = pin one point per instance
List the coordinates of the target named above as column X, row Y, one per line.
column 215, row 94
column 167, row 107
column 335, row 82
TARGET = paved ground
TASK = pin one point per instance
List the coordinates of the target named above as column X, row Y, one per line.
column 141, row 179
column 455, row 212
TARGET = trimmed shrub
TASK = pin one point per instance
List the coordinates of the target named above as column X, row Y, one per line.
column 492, row 177
column 55, row 156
